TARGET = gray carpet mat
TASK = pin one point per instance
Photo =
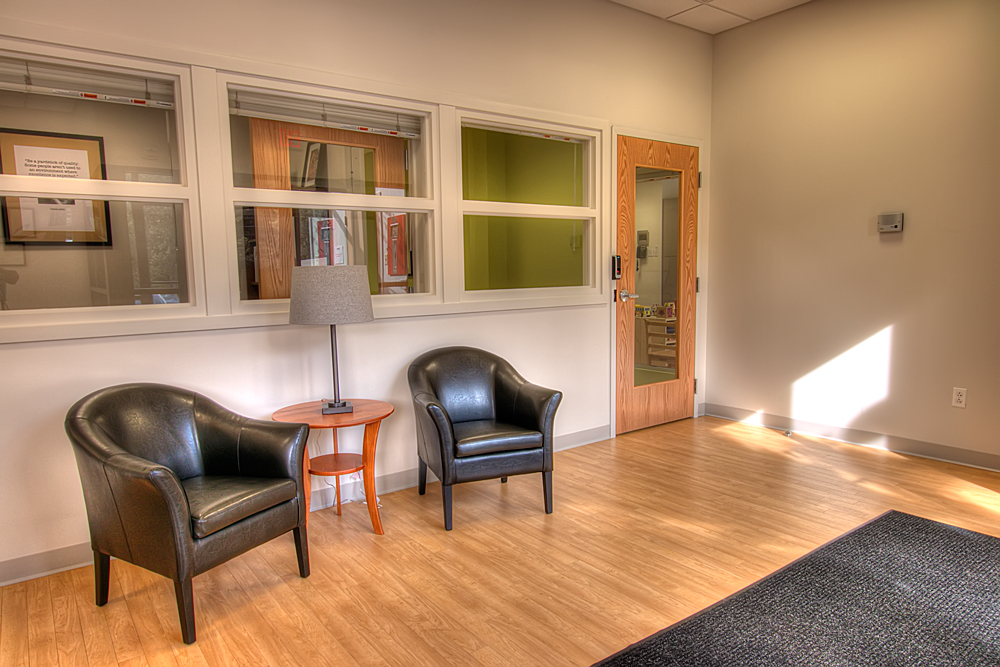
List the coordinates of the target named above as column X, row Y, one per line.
column 898, row 591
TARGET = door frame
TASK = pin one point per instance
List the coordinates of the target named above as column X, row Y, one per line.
column 701, row 256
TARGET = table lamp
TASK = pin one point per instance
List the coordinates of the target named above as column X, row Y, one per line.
column 331, row 295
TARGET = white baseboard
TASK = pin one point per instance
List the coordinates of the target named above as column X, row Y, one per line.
column 892, row 443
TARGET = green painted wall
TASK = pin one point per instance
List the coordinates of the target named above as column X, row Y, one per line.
column 517, row 253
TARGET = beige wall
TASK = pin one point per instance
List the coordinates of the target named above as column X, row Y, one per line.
column 824, row 117
column 586, row 57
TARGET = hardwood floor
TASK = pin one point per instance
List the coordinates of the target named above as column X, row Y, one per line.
column 648, row 528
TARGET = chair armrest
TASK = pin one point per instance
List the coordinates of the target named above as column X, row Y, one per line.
column 535, row 407
column 272, row 449
column 232, row 444
column 154, row 515
column 435, row 436
column 430, row 411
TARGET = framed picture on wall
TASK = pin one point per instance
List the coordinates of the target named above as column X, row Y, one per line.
column 311, row 166
column 53, row 220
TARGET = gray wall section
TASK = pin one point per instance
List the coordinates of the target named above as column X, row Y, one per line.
column 825, row 116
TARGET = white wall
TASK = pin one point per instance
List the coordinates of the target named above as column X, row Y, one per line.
column 649, row 218
column 823, row 117
column 586, row 57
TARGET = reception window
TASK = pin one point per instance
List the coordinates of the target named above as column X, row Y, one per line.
column 528, row 167
column 272, row 240
column 528, row 220
column 334, row 158
column 283, row 142
column 66, row 127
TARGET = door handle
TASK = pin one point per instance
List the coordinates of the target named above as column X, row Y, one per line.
column 624, row 293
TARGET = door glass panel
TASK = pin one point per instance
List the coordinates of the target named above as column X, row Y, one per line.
column 657, row 224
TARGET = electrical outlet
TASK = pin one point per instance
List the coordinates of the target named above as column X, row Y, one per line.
column 959, row 396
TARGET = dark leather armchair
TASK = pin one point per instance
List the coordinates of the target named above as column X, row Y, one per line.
column 477, row 418
column 177, row 484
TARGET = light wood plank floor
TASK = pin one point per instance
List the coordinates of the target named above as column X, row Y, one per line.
column 648, row 528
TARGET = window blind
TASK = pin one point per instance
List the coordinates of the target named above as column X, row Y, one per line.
column 119, row 87
column 326, row 113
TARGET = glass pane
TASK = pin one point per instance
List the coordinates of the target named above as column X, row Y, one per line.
column 273, row 240
column 318, row 167
column 523, row 168
column 296, row 143
column 110, row 254
column 76, row 123
column 657, row 224
column 519, row 253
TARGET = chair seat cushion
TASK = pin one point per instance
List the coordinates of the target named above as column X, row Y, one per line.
column 218, row 502
column 487, row 436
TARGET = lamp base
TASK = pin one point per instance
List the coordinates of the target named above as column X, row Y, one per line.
column 336, row 408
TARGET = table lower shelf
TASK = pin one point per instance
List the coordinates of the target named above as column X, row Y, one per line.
column 335, row 464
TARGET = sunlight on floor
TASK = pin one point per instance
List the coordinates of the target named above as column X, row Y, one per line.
column 846, row 386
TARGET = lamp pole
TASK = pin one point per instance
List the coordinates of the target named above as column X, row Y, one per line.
column 337, row 403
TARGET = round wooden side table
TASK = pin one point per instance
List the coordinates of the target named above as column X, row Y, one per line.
column 367, row 413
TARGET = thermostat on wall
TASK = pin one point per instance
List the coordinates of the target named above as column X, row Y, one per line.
column 890, row 222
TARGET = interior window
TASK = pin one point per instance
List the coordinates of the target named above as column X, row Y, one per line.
column 65, row 251
column 524, row 167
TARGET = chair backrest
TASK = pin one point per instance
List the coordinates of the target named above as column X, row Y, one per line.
column 463, row 379
column 152, row 421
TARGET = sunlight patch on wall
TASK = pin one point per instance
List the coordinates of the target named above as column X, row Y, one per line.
column 841, row 389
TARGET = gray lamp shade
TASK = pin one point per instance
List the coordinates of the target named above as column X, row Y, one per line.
column 330, row 295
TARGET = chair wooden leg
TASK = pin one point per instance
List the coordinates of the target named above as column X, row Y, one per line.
column 422, row 477
column 302, row 550
column 547, row 488
column 102, row 577
column 446, row 496
column 185, row 609
column 503, row 480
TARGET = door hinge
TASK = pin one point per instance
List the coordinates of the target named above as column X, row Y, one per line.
column 696, row 385
column 697, row 285
column 699, row 179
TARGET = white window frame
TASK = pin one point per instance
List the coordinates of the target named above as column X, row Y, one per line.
column 591, row 293
column 209, row 198
column 385, row 305
column 60, row 323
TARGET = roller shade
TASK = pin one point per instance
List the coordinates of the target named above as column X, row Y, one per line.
column 378, row 120
column 119, row 87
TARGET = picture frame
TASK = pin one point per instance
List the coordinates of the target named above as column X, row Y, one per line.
column 53, row 220
column 311, row 166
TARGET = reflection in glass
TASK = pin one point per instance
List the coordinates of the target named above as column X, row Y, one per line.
column 144, row 265
column 657, row 218
column 386, row 242
column 520, row 253
column 322, row 167
column 131, row 114
column 281, row 155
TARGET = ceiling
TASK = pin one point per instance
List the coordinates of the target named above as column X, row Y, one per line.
column 711, row 16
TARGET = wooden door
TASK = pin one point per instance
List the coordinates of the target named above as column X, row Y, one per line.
column 275, row 229
column 655, row 322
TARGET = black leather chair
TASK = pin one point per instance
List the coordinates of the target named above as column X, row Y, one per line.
column 177, row 484
column 477, row 418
